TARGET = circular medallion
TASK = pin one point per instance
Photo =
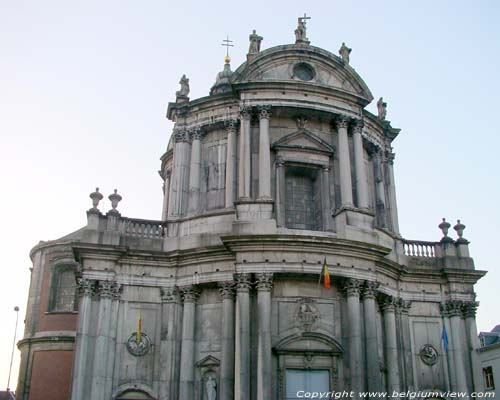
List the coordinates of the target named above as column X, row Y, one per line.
column 303, row 71
column 138, row 347
column 428, row 354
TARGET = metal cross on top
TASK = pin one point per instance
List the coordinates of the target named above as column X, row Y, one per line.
column 228, row 43
column 304, row 18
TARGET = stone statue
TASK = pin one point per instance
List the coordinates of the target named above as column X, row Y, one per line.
column 211, row 388
column 382, row 108
column 184, row 87
column 254, row 43
column 344, row 52
column 300, row 32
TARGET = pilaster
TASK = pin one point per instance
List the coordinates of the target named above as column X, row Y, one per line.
column 264, row 154
column 264, row 282
column 244, row 173
column 242, row 343
column 388, row 306
column 227, row 353
column 230, row 161
column 344, row 162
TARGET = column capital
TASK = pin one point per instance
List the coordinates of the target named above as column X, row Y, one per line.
column 352, row 287
column 469, row 309
column 403, row 306
column 182, row 135
column 388, row 303
column 245, row 112
column 190, row 294
column 196, row 133
column 108, row 289
column 86, row 287
column 280, row 162
column 452, row 308
column 358, row 125
column 342, row 122
column 243, row 282
column 226, row 290
column 170, row 294
column 264, row 111
column 264, row 282
column 231, row 124
column 369, row 290
column 389, row 157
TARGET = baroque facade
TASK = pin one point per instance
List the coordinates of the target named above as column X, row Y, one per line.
column 280, row 168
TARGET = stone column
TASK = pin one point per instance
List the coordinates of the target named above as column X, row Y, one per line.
column 379, row 189
column 325, row 198
column 359, row 165
column 195, row 170
column 352, row 289
column 344, row 162
column 469, row 310
column 81, row 369
column 280, row 192
column 111, row 352
column 169, row 345
column 242, row 345
column 371, row 342
column 227, row 353
column 186, row 380
column 179, row 184
column 407, row 364
column 391, row 343
column 264, row 154
column 264, row 359
column 393, row 207
column 230, row 161
column 100, row 373
column 449, row 358
column 454, row 308
column 166, row 192
column 244, row 156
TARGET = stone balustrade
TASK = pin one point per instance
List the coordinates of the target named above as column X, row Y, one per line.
column 143, row 228
column 419, row 248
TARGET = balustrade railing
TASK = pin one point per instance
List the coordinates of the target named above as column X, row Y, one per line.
column 143, row 228
column 419, row 248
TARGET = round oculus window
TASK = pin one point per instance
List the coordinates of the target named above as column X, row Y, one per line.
column 303, row 71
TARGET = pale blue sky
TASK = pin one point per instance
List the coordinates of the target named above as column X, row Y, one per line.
column 84, row 87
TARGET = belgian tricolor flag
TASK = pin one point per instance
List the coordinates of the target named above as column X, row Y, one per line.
column 325, row 275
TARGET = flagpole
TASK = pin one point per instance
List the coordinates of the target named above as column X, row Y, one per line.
column 16, row 309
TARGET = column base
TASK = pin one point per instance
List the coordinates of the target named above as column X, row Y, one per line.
column 254, row 210
column 359, row 217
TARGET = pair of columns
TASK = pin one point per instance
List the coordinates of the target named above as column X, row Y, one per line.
column 235, row 372
column 355, row 290
column 95, row 380
column 244, row 154
column 345, row 164
column 457, row 315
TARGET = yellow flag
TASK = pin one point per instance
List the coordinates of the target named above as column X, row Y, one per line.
column 139, row 328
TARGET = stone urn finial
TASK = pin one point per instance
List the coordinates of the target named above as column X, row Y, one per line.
column 445, row 226
column 114, row 198
column 96, row 198
column 459, row 228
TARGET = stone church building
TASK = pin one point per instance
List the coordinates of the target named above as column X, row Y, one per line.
column 279, row 170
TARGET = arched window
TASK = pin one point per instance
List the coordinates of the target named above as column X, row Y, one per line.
column 63, row 293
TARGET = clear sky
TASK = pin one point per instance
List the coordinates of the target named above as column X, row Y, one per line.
column 84, row 87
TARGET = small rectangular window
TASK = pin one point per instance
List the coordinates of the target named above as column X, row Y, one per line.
column 63, row 290
column 489, row 383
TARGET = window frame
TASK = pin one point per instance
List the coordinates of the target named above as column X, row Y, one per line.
column 488, row 378
column 56, row 272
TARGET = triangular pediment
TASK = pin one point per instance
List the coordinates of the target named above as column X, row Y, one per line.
column 303, row 139
column 208, row 361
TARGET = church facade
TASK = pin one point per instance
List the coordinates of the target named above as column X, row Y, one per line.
column 278, row 172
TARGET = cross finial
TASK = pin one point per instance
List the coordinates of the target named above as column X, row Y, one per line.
column 227, row 43
column 305, row 18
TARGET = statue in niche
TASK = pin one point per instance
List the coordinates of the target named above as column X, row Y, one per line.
column 254, row 43
column 211, row 388
column 382, row 108
column 344, row 52
column 184, row 87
